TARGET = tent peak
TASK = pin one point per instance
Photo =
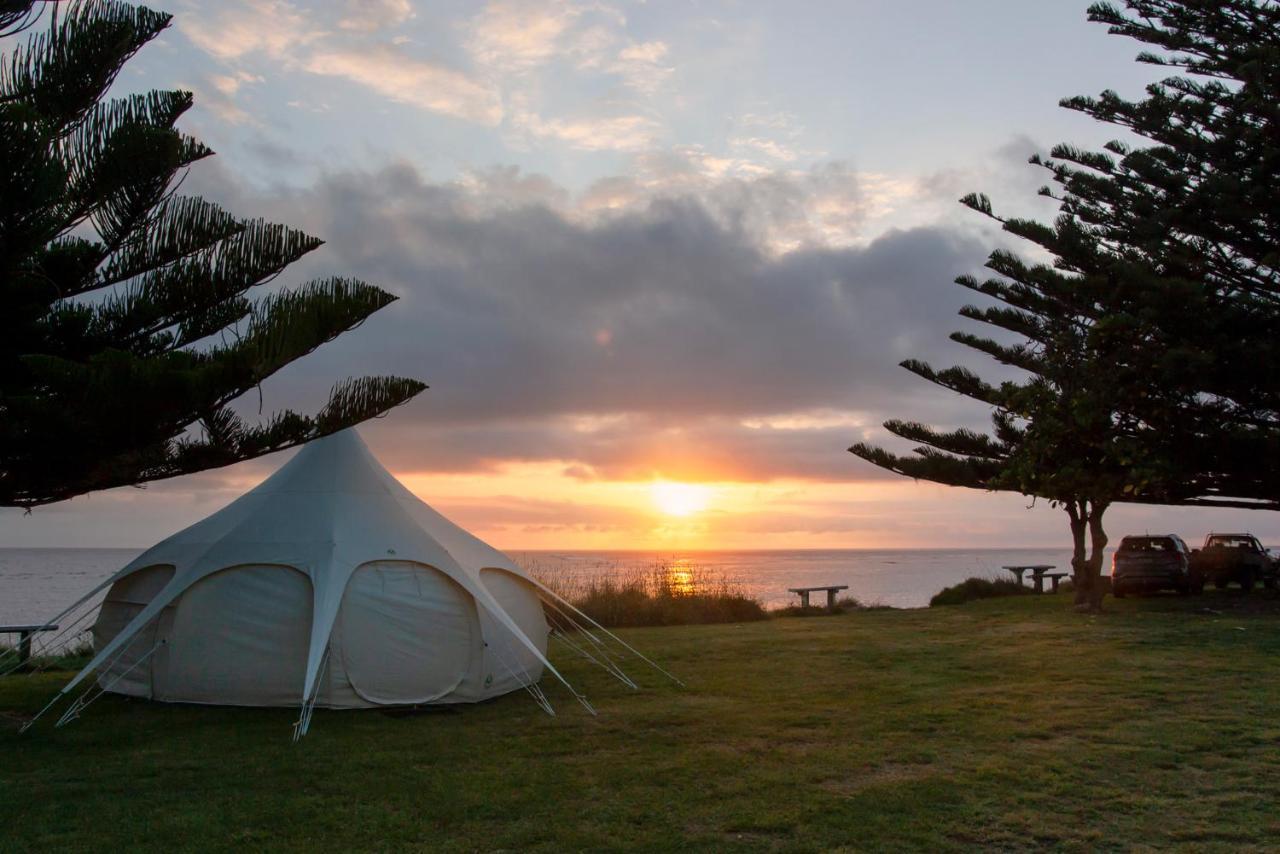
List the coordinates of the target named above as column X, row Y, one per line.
column 340, row 462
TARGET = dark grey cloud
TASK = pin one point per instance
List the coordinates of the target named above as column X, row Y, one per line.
column 669, row 317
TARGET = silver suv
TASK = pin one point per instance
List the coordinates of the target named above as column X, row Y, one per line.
column 1153, row 562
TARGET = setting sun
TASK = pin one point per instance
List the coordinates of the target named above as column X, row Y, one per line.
column 680, row 499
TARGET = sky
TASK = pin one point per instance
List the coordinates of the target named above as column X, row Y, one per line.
column 658, row 262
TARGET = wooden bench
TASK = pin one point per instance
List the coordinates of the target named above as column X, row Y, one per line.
column 24, row 634
column 1054, row 578
column 803, row 593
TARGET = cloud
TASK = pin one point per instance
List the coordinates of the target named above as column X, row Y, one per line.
column 588, row 133
column 777, row 121
column 643, row 67
column 251, row 26
column 516, row 36
column 525, row 514
column 1003, row 174
column 662, row 338
column 537, row 65
column 783, row 210
column 768, row 147
column 281, row 33
column 649, row 53
column 391, row 73
column 217, row 94
column 486, row 191
column 549, row 60
column 636, row 446
column 371, row 15
column 229, row 84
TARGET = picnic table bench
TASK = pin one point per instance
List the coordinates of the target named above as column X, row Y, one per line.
column 24, row 634
column 804, row 592
column 1038, row 574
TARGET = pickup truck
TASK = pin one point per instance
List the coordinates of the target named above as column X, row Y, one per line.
column 1238, row 558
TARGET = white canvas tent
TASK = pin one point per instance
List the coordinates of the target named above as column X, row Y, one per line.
column 329, row 584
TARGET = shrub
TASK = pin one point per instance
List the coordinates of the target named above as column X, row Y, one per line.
column 977, row 588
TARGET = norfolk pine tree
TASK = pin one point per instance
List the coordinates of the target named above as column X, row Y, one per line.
column 1065, row 432
column 1148, row 342
column 1200, row 210
column 129, row 322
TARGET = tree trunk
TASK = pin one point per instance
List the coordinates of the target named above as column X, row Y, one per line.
column 1079, row 561
column 1097, row 554
column 1086, row 570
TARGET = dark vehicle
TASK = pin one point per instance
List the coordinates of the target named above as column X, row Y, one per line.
column 1239, row 558
column 1149, row 563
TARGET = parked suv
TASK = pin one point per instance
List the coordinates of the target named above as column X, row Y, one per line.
column 1149, row 563
column 1234, row 557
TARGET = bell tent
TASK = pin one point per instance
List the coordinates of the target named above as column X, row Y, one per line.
column 329, row 584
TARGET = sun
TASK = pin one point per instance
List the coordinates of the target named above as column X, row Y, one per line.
column 679, row 499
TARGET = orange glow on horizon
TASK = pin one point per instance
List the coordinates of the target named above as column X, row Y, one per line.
column 551, row 505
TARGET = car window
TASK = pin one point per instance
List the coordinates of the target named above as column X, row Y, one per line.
column 1233, row 542
column 1147, row 544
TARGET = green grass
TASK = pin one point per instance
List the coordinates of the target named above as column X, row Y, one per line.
column 1006, row 723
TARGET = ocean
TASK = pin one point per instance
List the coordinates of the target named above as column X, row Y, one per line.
column 36, row 584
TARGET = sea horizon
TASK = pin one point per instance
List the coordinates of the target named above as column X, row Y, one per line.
column 630, row 550
column 39, row 581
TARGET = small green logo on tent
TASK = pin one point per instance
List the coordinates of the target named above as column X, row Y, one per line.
column 488, row 680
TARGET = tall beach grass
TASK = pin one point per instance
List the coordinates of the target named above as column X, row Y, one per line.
column 70, row 655
column 663, row 593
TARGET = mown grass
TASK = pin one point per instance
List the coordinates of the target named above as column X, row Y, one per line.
column 1005, row 723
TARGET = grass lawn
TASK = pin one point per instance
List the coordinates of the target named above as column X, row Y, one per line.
column 1007, row 723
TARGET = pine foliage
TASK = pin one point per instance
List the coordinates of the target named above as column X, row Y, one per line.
column 133, row 318
column 1198, row 212
column 1147, row 347
column 1150, row 340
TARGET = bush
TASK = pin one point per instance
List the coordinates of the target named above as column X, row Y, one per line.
column 977, row 588
column 662, row 595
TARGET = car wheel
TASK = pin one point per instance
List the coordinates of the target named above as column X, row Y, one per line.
column 1246, row 582
column 1221, row 583
column 1184, row 588
column 1117, row 591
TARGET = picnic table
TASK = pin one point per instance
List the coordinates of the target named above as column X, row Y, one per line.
column 24, row 634
column 1055, row 577
column 1037, row 571
column 803, row 593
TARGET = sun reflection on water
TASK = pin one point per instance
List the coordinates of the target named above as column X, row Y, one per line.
column 679, row 577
